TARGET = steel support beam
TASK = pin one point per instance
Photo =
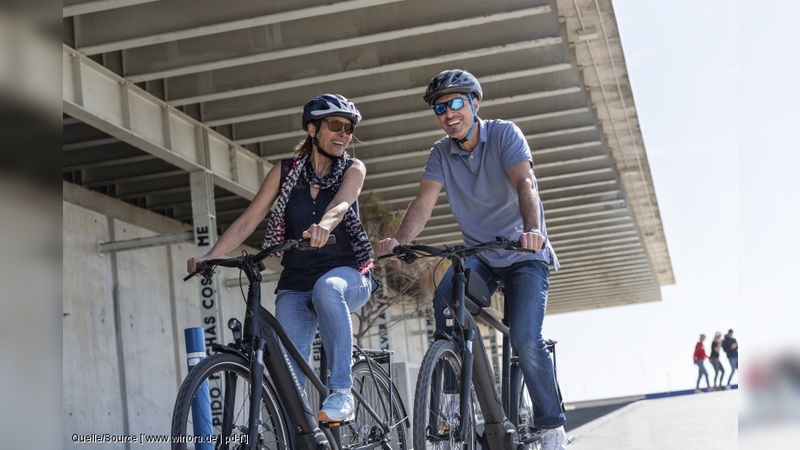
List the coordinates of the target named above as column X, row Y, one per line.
column 100, row 98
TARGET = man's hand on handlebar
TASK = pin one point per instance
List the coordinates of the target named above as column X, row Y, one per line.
column 532, row 240
column 386, row 246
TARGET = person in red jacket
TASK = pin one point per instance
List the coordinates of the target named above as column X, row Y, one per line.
column 699, row 359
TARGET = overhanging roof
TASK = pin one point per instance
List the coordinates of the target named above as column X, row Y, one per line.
column 154, row 90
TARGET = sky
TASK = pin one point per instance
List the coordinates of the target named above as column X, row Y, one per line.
column 682, row 62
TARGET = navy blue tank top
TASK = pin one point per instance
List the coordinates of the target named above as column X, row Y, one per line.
column 301, row 269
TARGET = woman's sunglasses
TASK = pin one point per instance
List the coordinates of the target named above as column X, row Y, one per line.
column 454, row 104
column 337, row 125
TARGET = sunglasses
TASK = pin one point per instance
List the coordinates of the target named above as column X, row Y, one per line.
column 336, row 126
column 454, row 104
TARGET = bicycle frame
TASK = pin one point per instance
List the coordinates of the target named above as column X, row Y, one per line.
column 266, row 354
column 477, row 369
column 470, row 294
column 261, row 346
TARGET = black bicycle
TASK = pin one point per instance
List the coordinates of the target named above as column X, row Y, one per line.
column 456, row 370
column 255, row 367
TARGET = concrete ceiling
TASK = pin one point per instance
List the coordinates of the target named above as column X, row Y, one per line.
column 154, row 90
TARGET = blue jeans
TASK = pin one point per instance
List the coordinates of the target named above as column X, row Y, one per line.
column 734, row 367
column 335, row 295
column 701, row 372
column 526, row 285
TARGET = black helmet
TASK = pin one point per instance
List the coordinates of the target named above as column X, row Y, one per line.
column 330, row 105
column 450, row 81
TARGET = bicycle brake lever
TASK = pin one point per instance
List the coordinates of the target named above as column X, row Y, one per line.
column 407, row 258
column 206, row 273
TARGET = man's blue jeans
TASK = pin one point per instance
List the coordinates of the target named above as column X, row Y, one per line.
column 734, row 361
column 526, row 284
column 336, row 294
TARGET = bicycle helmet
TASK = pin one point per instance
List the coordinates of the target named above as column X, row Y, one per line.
column 330, row 105
column 449, row 81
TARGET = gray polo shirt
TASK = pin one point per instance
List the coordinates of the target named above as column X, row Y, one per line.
column 481, row 196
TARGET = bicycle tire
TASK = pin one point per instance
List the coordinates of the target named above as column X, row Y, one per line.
column 215, row 370
column 435, row 402
column 374, row 385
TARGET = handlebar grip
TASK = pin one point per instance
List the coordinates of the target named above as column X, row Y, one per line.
column 305, row 244
column 188, row 277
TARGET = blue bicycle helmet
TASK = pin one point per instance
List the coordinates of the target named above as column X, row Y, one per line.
column 330, row 105
column 449, row 81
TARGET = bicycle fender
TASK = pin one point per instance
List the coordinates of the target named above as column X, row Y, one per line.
column 219, row 348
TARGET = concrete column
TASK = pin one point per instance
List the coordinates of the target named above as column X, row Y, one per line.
column 205, row 234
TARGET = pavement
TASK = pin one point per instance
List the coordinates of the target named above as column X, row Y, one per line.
column 686, row 421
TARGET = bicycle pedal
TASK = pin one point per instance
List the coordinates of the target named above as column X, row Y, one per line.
column 333, row 424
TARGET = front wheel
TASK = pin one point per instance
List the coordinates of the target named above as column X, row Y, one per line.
column 436, row 401
column 521, row 411
column 378, row 420
column 212, row 408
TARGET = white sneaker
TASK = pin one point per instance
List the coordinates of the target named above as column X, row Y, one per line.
column 338, row 407
column 554, row 439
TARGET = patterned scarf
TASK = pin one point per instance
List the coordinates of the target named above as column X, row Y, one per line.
column 276, row 222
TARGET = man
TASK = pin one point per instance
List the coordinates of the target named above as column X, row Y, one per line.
column 731, row 348
column 487, row 169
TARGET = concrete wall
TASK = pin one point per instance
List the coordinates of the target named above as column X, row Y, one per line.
column 124, row 316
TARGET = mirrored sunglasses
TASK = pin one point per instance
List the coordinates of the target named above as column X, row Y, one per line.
column 454, row 104
column 336, row 126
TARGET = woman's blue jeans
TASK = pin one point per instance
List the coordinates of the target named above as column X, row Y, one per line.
column 701, row 372
column 526, row 285
column 335, row 295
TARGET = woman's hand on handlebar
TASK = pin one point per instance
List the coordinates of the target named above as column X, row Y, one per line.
column 191, row 264
column 317, row 235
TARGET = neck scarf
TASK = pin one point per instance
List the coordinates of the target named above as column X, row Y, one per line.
column 276, row 222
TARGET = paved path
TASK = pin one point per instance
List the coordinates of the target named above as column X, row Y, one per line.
column 706, row 421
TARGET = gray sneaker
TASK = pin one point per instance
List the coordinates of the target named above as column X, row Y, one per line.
column 338, row 407
column 554, row 439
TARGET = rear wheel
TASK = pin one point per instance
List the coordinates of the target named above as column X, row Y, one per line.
column 222, row 383
column 374, row 412
column 436, row 401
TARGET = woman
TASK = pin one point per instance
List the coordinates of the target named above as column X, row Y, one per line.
column 716, row 345
column 699, row 357
column 314, row 194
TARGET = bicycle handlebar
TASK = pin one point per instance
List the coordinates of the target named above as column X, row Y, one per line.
column 409, row 253
column 206, row 268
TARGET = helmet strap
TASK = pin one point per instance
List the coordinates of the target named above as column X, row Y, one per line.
column 324, row 153
column 320, row 150
column 461, row 142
